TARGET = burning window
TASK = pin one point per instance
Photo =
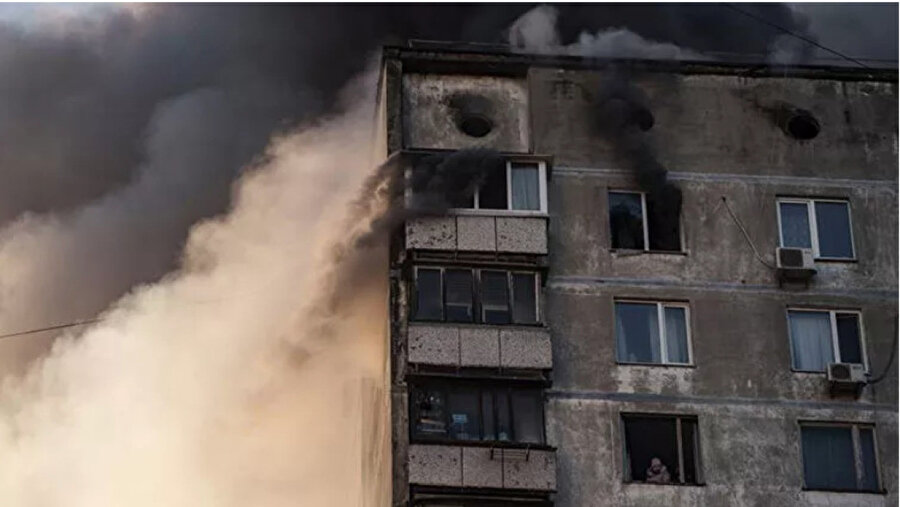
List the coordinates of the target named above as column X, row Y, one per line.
column 817, row 224
column 476, row 295
column 661, row 449
column 652, row 333
column 470, row 412
column 639, row 222
column 822, row 337
column 839, row 457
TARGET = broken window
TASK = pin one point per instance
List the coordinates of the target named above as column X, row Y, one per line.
column 477, row 412
column 653, row 333
column 820, row 337
column 518, row 186
column 639, row 223
column 661, row 449
column 839, row 457
column 450, row 295
column 820, row 225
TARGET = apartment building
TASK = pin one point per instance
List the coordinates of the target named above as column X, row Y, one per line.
column 663, row 284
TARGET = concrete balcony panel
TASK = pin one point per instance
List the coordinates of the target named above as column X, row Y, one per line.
column 479, row 233
column 431, row 233
column 522, row 235
column 435, row 465
column 525, row 348
column 537, row 471
column 481, row 469
column 479, row 346
column 476, row 233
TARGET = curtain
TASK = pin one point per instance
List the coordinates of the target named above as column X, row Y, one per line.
column 525, row 193
column 833, row 224
column 811, row 340
column 637, row 333
column 795, row 225
column 676, row 335
column 828, row 458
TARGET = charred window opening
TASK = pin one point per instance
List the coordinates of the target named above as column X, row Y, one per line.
column 477, row 295
column 802, row 125
column 510, row 185
column 640, row 221
column 472, row 114
column 470, row 412
column 661, row 449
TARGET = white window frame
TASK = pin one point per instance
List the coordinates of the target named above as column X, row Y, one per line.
column 857, row 450
column 835, row 344
column 661, row 323
column 813, row 225
column 644, row 222
column 542, row 194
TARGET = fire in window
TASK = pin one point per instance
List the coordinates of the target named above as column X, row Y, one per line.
column 661, row 449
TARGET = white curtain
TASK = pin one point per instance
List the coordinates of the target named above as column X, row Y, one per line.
column 525, row 191
column 811, row 340
column 676, row 335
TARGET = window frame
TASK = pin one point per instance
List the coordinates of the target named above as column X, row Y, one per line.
column 542, row 194
column 835, row 343
column 810, row 203
column 698, row 458
column 477, row 305
column 446, row 387
column 646, row 226
column 660, row 322
column 857, row 453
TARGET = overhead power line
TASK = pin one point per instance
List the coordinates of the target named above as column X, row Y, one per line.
column 792, row 34
column 50, row 328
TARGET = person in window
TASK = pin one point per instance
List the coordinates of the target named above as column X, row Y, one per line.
column 657, row 472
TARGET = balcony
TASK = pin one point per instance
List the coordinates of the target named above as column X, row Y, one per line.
column 473, row 233
column 483, row 467
column 460, row 345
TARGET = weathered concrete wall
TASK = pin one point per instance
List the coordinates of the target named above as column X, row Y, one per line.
column 479, row 233
column 447, row 465
column 480, row 346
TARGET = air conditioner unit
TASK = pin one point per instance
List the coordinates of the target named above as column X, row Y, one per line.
column 794, row 263
column 846, row 377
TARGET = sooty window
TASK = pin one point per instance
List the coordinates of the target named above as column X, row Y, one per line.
column 486, row 296
column 636, row 224
column 652, row 333
column 519, row 186
column 822, row 225
column 839, row 457
column 476, row 412
column 820, row 337
column 661, row 449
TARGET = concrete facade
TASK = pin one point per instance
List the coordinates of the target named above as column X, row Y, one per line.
column 715, row 132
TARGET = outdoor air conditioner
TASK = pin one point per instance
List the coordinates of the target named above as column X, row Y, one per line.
column 795, row 263
column 846, row 377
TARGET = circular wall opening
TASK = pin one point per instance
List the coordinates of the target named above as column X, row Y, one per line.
column 801, row 125
column 643, row 118
column 475, row 125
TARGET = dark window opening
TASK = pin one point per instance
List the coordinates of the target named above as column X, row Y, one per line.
column 444, row 411
column 662, row 449
column 492, row 193
column 642, row 222
column 482, row 296
column 663, row 222
column 839, row 457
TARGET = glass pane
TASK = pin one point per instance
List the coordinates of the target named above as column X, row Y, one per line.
column 663, row 221
column 652, row 448
column 428, row 294
column 833, row 227
column 495, row 297
column 626, row 220
column 676, row 335
column 795, row 225
column 463, row 408
column 869, row 479
column 504, row 429
column 525, row 193
column 637, row 333
column 811, row 340
column 848, row 337
column 458, row 295
column 524, row 304
column 828, row 458
column 528, row 416
column 689, row 447
column 487, row 416
column 429, row 415
column 492, row 194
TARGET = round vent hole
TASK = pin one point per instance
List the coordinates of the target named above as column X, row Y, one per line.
column 475, row 125
column 802, row 126
column 643, row 119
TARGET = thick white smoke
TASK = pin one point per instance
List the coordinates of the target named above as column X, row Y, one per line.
column 217, row 386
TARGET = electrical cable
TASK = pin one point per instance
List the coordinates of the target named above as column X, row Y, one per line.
column 50, row 328
column 890, row 360
column 792, row 34
column 747, row 236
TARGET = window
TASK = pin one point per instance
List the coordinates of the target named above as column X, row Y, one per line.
column 839, row 457
column 477, row 295
column 520, row 186
column 820, row 337
column 661, row 449
column 653, row 333
column 635, row 224
column 818, row 224
column 445, row 411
